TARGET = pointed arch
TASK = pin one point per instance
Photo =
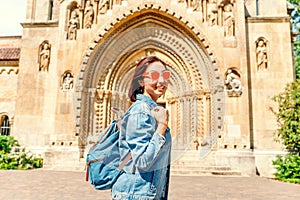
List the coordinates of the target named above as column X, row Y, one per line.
column 108, row 67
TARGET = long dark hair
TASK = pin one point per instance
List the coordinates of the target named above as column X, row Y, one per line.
column 135, row 87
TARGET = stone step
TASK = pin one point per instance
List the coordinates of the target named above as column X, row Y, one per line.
column 192, row 163
column 192, row 155
column 227, row 173
column 194, row 167
column 203, row 170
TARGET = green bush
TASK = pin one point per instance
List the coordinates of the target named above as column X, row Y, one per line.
column 288, row 118
column 288, row 168
column 7, row 142
column 21, row 159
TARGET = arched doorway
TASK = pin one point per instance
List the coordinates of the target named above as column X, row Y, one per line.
column 195, row 94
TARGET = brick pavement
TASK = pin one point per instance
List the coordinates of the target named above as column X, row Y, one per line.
column 58, row 185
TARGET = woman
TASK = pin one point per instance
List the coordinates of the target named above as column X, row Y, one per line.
column 146, row 136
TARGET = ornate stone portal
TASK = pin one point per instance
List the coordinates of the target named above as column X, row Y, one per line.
column 194, row 98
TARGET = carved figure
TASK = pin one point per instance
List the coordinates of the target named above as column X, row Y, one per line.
column 212, row 12
column 44, row 56
column 103, row 6
column 228, row 21
column 88, row 14
column 196, row 4
column 67, row 83
column 261, row 55
column 233, row 84
column 73, row 26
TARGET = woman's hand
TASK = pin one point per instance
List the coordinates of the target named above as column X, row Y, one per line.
column 161, row 116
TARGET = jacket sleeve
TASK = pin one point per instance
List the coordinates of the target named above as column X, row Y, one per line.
column 144, row 143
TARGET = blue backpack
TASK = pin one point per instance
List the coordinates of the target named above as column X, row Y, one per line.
column 103, row 159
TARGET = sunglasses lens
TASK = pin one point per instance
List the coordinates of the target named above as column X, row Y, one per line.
column 166, row 75
column 155, row 75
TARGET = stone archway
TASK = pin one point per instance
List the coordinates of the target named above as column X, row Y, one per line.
column 195, row 96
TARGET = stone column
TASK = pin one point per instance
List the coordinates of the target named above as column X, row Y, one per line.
column 91, row 121
column 106, row 108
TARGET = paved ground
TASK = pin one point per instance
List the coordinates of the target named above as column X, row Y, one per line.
column 57, row 185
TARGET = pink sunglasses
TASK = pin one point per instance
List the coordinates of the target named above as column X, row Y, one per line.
column 154, row 75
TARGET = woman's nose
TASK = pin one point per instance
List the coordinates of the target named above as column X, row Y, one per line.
column 161, row 79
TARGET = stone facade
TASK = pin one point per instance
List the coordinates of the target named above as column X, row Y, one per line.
column 9, row 68
column 227, row 57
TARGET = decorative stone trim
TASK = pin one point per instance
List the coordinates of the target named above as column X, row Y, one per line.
column 9, row 70
column 39, row 24
column 268, row 19
column 202, row 65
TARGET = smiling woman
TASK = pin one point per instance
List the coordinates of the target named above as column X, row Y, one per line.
column 14, row 12
column 145, row 134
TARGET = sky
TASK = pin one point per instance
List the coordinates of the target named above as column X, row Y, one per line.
column 12, row 13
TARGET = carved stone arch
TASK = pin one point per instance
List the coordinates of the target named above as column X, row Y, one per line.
column 5, row 114
column 235, row 70
column 194, row 69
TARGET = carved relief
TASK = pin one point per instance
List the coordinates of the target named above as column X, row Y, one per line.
column 261, row 54
column 88, row 14
column 212, row 12
column 228, row 20
column 233, row 83
column 67, row 82
column 195, row 5
column 44, row 56
column 103, row 6
column 73, row 25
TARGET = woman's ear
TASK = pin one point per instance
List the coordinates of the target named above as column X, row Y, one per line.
column 141, row 82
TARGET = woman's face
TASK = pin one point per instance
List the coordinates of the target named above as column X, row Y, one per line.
column 155, row 80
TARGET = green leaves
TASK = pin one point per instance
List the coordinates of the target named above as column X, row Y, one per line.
column 288, row 168
column 7, row 142
column 296, row 29
column 21, row 160
column 288, row 118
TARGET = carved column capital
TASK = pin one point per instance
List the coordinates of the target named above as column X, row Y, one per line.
column 92, row 92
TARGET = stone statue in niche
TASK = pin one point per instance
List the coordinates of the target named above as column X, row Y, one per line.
column 73, row 25
column 228, row 20
column 261, row 55
column 103, row 6
column 44, row 56
column 212, row 12
column 196, row 5
column 88, row 14
column 233, row 83
column 67, row 84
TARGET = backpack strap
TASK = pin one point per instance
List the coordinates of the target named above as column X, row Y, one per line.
column 129, row 156
column 124, row 162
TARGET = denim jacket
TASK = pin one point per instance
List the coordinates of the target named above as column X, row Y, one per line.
column 146, row 175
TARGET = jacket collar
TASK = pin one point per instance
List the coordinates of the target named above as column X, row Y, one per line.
column 147, row 100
